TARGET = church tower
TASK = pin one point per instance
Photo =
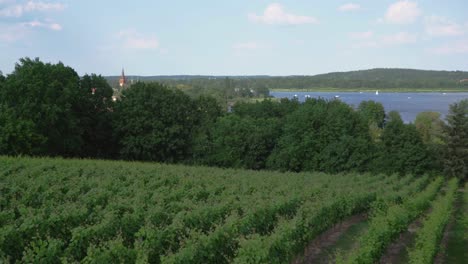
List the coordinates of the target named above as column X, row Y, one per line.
column 123, row 79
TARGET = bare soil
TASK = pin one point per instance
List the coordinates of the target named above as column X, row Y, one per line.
column 327, row 239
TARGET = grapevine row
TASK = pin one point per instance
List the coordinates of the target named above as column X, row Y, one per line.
column 429, row 236
column 386, row 225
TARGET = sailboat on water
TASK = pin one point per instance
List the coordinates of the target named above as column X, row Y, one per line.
column 377, row 92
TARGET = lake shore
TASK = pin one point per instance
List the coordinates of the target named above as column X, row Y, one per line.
column 369, row 90
column 408, row 104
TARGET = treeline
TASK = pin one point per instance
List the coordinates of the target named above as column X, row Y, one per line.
column 48, row 110
column 364, row 79
column 226, row 90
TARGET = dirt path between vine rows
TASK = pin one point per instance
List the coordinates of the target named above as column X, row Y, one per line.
column 396, row 251
column 441, row 255
column 327, row 239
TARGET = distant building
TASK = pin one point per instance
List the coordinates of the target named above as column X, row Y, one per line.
column 123, row 79
column 463, row 80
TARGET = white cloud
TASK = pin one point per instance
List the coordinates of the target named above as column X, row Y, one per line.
column 399, row 38
column 12, row 33
column 441, row 26
column 18, row 10
column 361, row 35
column 275, row 14
column 459, row 47
column 349, row 7
column 55, row 26
column 46, row 24
column 402, row 12
column 135, row 40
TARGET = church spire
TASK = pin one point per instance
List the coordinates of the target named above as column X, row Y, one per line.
column 123, row 79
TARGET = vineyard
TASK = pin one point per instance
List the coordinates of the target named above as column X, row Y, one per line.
column 68, row 211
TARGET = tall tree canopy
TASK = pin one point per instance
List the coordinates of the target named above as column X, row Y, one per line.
column 152, row 122
column 96, row 116
column 38, row 101
column 430, row 126
column 372, row 112
column 401, row 149
column 323, row 136
column 241, row 142
column 266, row 108
column 456, row 159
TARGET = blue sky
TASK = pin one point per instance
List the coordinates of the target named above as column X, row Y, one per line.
column 235, row 37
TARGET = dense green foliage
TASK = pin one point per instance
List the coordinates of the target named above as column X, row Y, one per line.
column 380, row 79
column 295, row 234
column 430, row 126
column 152, row 122
column 456, row 160
column 241, row 142
column 40, row 99
column 401, row 148
column 48, row 110
column 429, row 236
column 54, row 210
column 386, row 224
column 107, row 212
column 455, row 249
column 95, row 117
column 324, row 136
column 373, row 113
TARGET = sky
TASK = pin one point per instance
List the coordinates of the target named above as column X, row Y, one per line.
column 242, row 37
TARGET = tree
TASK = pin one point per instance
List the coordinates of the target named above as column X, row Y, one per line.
column 401, row 149
column 208, row 111
column 41, row 97
column 456, row 157
column 430, row 127
column 242, row 142
column 372, row 112
column 266, row 108
column 431, row 130
column 323, row 136
column 95, row 116
column 152, row 122
column 18, row 135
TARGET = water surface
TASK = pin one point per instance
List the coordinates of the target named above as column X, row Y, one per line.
column 408, row 104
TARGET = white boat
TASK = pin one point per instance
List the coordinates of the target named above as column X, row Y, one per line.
column 377, row 92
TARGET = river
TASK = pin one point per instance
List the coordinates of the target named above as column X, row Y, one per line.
column 409, row 105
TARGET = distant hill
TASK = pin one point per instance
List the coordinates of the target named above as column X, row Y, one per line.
column 380, row 78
